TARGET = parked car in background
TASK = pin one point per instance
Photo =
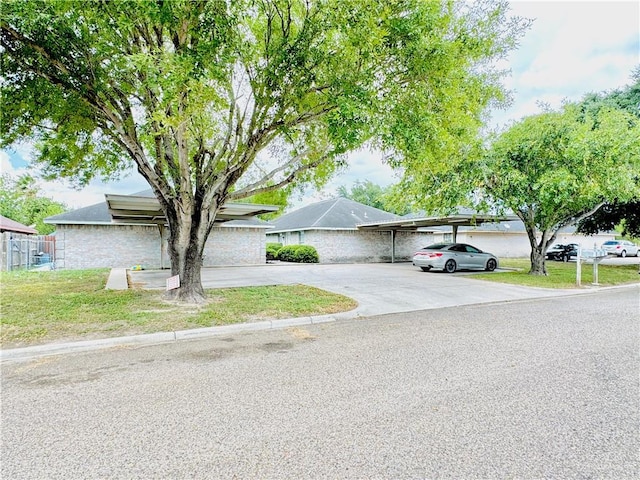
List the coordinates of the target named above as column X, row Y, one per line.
column 621, row 248
column 450, row 257
column 563, row 252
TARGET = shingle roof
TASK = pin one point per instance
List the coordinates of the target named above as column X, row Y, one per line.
column 91, row 215
column 8, row 225
column 334, row 214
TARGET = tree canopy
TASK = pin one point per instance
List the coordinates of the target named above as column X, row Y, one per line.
column 552, row 170
column 21, row 200
column 369, row 193
column 556, row 168
column 616, row 213
column 218, row 100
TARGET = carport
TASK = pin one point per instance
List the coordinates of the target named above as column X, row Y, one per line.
column 463, row 217
column 145, row 210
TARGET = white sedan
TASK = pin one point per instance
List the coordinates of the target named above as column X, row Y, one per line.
column 621, row 248
column 450, row 257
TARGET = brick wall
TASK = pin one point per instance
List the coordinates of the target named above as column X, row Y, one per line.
column 95, row 246
column 356, row 246
column 235, row 246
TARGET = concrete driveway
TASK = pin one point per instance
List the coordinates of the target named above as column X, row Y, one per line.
column 378, row 288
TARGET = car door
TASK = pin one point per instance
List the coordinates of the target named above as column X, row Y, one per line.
column 460, row 255
column 475, row 257
column 631, row 248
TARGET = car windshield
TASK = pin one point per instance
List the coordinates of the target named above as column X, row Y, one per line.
column 610, row 242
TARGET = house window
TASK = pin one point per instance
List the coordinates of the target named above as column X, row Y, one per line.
column 300, row 238
column 447, row 237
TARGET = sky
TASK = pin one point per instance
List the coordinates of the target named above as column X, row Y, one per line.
column 572, row 48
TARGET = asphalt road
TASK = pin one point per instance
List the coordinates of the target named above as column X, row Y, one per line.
column 541, row 388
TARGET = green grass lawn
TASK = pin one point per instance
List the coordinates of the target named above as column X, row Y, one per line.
column 65, row 305
column 561, row 275
column 41, row 307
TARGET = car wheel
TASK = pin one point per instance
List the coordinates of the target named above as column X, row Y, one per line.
column 623, row 253
column 425, row 269
column 450, row 266
column 491, row 265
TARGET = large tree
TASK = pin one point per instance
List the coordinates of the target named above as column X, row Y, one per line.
column 556, row 168
column 23, row 201
column 218, row 100
column 552, row 170
column 616, row 213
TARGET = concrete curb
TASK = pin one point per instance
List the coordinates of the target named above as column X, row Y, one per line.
column 39, row 351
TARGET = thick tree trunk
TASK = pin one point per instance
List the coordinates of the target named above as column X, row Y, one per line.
column 538, row 265
column 187, row 237
column 186, row 262
column 538, row 248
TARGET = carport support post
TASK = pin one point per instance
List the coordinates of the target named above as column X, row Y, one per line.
column 393, row 246
column 455, row 233
column 161, row 229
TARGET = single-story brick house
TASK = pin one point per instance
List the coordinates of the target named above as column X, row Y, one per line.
column 331, row 226
column 346, row 231
column 90, row 238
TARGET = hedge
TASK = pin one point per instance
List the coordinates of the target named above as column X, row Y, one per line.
column 299, row 254
column 272, row 250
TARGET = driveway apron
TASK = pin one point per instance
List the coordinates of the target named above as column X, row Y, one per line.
column 378, row 288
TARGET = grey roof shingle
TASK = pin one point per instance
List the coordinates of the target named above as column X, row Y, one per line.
column 91, row 215
column 335, row 214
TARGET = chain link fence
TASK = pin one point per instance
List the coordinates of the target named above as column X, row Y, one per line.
column 27, row 252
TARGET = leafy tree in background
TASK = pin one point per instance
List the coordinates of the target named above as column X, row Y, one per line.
column 22, row 201
column 613, row 215
column 369, row 193
column 616, row 214
column 279, row 198
column 556, row 168
column 551, row 170
column 217, row 100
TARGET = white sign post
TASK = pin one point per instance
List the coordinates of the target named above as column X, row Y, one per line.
column 173, row 282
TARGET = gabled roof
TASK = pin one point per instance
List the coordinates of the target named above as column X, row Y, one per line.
column 97, row 214
column 334, row 214
column 8, row 225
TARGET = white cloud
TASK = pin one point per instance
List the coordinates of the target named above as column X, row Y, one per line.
column 572, row 48
column 61, row 191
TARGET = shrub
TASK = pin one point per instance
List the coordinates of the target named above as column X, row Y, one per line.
column 272, row 250
column 299, row 254
column 306, row 254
